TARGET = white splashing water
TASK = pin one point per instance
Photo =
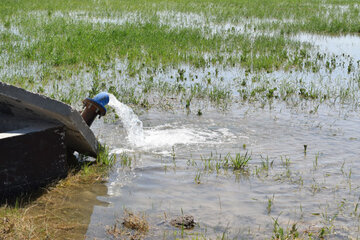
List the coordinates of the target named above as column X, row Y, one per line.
column 131, row 122
column 163, row 136
column 157, row 140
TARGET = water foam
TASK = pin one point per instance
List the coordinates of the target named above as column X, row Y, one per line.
column 165, row 136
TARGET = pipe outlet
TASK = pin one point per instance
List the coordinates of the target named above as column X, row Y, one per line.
column 94, row 107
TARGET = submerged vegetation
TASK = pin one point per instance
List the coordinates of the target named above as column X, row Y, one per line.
column 281, row 171
column 132, row 226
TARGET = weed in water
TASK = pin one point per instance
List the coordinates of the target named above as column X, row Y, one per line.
column 266, row 164
column 315, row 188
column 270, row 203
column 239, row 162
column 315, row 163
column 285, row 161
column 104, row 157
column 198, row 178
column 284, row 234
column 125, row 160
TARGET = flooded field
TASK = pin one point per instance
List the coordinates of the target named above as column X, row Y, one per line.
column 243, row 114
column 178, row 169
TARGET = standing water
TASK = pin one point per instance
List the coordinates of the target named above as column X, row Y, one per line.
column 176, row 169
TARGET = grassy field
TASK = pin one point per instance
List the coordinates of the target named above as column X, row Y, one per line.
column 331, row 16
column 46, row 47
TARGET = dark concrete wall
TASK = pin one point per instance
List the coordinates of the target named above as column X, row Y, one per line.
column 32, row 160
column 10, row 123
column 22, row 104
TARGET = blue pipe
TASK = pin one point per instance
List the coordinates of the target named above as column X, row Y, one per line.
column 102, row 99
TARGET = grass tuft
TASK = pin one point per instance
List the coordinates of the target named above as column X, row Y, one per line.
column 239, row 162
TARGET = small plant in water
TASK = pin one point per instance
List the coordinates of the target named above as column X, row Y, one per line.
column 104, row 157
column 281, row 233
column 269, row 204
column 239, row 162
column 266, row 164
column 197, row 177
column 125, row 160
column 315, row 163
column 285, row 161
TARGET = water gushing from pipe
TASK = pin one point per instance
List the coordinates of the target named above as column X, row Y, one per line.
column 131, row 122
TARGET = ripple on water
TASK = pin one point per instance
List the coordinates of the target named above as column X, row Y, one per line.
column 302, row 191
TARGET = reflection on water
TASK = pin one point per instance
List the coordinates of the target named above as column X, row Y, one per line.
column 316, row 189
column 348, row 45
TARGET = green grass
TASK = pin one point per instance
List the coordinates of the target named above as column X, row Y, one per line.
column 309, row 15
column 66, row 43
column 125, row 160
column 239, row 162
column 65, row 47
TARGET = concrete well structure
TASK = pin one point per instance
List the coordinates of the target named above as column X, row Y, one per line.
column 36, row 135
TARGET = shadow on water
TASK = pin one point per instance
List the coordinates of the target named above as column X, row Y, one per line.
column 64, row 207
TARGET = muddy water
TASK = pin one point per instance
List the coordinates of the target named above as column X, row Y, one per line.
column 161, row 182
